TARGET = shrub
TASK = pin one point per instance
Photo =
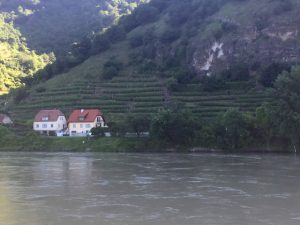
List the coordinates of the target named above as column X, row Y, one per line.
column 111, row 68
column 176, row 127
column 20, row 94
column 170, row 35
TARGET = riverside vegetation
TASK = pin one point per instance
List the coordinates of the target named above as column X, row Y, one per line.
column 193, row 73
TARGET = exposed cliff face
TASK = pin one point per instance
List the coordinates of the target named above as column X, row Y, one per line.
column 277, row 41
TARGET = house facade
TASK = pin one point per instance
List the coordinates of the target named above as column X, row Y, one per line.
column 50, row 122
column 5, row 119
column 81, row 121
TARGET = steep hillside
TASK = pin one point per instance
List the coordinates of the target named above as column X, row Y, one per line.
column 16, row 60
column 31, row 28
column 54, row 25
column 204, row 55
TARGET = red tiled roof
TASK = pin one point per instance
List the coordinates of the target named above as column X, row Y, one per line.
column 84, row 115
column 51, row 114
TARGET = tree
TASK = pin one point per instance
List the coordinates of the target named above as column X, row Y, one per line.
column 266, row 121
column 177, row 127
column 117, row 128
column 111, row 68
column 287, row 87
column 269, row 74
column 139, row 124
column 234, row 129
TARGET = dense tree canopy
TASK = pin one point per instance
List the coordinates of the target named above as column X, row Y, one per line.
column 16, row 60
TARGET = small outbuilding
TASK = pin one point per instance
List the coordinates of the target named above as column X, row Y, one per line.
column 50, row 122
column 5, row 119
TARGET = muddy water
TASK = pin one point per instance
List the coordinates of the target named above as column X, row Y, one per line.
column 149, row 189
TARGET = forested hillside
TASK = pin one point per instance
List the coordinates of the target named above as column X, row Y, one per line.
column 16, row 60
column 33, row 28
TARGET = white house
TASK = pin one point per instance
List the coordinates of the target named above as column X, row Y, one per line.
column 81, row 121
column 50, row 122
column 5, row 119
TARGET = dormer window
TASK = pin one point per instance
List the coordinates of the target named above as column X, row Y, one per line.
column 45, row 118
column 81, row 118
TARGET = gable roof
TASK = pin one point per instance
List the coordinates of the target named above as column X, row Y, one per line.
column 51, row 114
column 84, row 115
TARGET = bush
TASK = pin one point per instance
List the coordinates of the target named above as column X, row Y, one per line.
column 100, row 43
column 177, row 127
column 111, row 69
column 139, row 124
column 170, row 35
column 269, row 74
column 98, row 131
column 20, row 94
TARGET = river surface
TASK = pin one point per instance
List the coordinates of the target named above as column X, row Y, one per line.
column 149, row 189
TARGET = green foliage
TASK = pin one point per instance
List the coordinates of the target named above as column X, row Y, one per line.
column 111, row 68
column 117, row 129
column 269, row 74
column 287, row 89
column 16, row 60
column 99, row 131
column 170, row 35
column 266, row 122
column 139, row 124
column 20, row 94
column 174, row 127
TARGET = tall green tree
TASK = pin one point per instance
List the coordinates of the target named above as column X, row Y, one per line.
column 266, row 122
column 178, row 127
column 287, row 87
column 235, row 129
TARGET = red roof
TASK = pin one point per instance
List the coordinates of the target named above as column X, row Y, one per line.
column 84, row 115
column 51, row 115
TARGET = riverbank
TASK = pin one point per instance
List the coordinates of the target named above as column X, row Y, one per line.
column 32, row 142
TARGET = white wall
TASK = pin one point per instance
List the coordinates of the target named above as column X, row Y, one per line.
column 83, row 128
column 58, row 125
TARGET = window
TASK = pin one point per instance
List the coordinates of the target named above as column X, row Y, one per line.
column 45, row 118
column 61, row 118
column 74, row 125
column 81, row 125
column 44, row 125
column 88, row 126
column 58, row 125
column 51, row 125
column 81, row 118
column 37, row 126
column 99, row 119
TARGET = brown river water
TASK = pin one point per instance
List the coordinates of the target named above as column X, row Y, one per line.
column 149, row 189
